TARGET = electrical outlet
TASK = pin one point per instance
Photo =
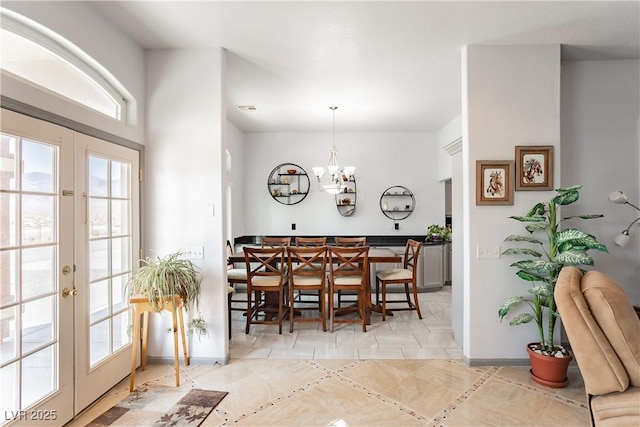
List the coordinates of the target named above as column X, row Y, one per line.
column 488, row 252
column 194, row 252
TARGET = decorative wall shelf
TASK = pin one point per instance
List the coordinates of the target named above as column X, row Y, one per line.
column 397, row 202
column 288, row 184
column 346, row 200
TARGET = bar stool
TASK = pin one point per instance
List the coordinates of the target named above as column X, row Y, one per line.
column 141, row 307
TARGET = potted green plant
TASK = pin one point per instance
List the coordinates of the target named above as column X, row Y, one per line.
column 438, row 233
column 160, row 278
column 545, row 258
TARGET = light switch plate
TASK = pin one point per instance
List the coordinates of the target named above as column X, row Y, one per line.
column 488, row 252
column 194, row 252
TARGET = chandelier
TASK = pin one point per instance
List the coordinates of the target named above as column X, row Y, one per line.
column 333, row 179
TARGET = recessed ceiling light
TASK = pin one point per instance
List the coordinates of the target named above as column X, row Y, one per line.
column 247, row 108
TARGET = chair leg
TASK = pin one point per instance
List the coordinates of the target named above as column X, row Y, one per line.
column 361, row 305
column 331, row 309
column 406, row 292
column 323, row 309
column 246, row 331
column 384, row 300
column 415, row 300
column 377, row 291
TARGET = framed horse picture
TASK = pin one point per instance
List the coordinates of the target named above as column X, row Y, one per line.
column 494, row 182
column 534, row 167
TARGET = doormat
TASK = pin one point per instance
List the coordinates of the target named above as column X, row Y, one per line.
column 147, row 406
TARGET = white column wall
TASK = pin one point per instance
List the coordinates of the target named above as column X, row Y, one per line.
column 512, row 97
column 184, row 179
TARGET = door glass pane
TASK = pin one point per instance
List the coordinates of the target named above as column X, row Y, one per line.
column 121, row 255
column 8, row 276
column 8, row 349
column 37, row 323
column 120, row 179
column 38, row 166
column 98, row 259
column 98, row 179
column 9, row 161
column 38, row 213
column 99, row 346
column 120, row 337
column 98, row 218
column 119, row 217
column 99, row 299
column 117, row 292
column 9, row 215
column 38, row 271
column 40, row 365
column 9, row 378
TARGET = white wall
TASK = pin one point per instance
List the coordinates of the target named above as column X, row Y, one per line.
column 449, row 134
column 235, row 146
column 600, row 110
column 184, row 178
column 382, row 160
column 511, row 97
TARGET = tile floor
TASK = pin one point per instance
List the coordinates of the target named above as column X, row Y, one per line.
column 378, row 378
column 402, row 336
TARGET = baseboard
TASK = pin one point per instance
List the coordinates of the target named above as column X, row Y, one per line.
column 153, row 360
column 495, row 362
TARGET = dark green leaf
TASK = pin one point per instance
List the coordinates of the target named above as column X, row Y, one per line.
column 590, row 216
column 538, row 209
column 566, row 189
column 522, row 251
column 510, row 303
column 528, row 218
column 538, row 226
column 566, row 198
column 521, row 319
column 529, row 277
column 573, row 257
column 516, row 238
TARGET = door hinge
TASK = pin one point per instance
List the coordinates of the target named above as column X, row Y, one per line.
column 140, row 175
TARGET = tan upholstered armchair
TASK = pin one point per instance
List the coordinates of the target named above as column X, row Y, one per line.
column 604, row 333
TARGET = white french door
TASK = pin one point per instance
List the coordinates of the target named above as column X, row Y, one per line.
column 107, row 245
column 68, row 240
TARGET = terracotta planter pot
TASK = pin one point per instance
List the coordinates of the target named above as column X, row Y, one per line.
column 547, row 370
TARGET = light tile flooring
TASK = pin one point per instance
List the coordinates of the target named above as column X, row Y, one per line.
column 401, row 336
column 346, row 379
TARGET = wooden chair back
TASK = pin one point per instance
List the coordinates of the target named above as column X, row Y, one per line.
column 307, row 262
column 350, row 241
column 311, row 241
column 274, row 242
column 265, row 263
column 348, row 262
column 411, row 253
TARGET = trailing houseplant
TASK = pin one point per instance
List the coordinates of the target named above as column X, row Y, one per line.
column 160, row 278
column 547, row 249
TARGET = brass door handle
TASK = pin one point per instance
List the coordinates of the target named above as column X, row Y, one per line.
column 66, row 292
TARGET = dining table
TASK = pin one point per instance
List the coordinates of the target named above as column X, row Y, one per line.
column 376, row 256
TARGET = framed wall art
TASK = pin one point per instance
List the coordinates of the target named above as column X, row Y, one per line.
column 494, row 182
column 534, row 167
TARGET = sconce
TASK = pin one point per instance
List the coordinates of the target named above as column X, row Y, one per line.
column 620, row 198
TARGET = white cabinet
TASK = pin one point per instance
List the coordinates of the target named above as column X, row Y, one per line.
column 433, row 266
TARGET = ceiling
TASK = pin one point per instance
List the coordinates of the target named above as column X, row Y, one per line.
column 388, row 66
